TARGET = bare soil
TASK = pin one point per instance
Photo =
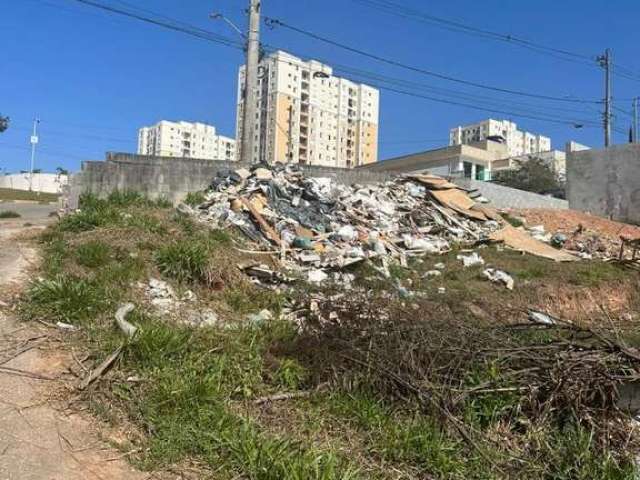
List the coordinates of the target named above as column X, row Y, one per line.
column 40, row 438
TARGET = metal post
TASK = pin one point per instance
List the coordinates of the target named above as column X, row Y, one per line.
column 605, row 62
column 251, row 82
column 635, row 120
column 34, row 142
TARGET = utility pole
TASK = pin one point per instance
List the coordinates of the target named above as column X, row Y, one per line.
column 635, row 120
column 251, row 81
column 34, row 142
column 606, row 63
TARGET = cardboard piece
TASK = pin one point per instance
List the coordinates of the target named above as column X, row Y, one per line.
column 523, row 242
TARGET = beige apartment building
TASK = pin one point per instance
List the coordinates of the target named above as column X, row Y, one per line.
column 307, row 115
column 518, row 142
column 185, row 139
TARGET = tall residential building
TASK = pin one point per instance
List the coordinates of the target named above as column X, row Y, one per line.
column 517, row 142
column 307, row 115
column 185, row 139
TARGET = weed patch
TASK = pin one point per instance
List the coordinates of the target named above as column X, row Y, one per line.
column 9, row 214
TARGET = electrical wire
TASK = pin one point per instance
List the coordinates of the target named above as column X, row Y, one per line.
column 176, row 26
column 277, row 22
column 460, row 27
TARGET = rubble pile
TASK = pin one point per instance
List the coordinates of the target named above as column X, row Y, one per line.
column 587, row 235
column 317, row 225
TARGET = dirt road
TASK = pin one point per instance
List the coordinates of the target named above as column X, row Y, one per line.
column 39, row 438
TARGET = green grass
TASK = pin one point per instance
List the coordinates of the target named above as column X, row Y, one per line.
column 194, row 199
column 194, row 400
column 93, row 254
column 8, row 194
column 9, row 214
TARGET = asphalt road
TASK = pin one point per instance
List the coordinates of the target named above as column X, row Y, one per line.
column 29, row 212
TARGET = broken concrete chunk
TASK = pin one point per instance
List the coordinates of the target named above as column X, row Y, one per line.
column 263, row 173
column 471, row 260
column 317, row 276
column 243, row 173
column 498, row 276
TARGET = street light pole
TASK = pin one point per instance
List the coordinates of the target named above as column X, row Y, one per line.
column 34, row 142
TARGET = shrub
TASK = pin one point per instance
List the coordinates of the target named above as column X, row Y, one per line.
column 9, row 214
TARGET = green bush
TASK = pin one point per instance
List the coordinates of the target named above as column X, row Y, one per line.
column 9, row 214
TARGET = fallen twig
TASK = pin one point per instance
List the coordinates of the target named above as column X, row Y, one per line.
column 103, row 367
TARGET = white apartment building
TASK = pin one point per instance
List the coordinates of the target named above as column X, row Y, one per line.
column 185, row 139
column 307, row 115
column 518, row 142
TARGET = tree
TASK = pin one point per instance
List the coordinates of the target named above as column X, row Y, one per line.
column 533, row 175
column 4, row 123
column 62, row 171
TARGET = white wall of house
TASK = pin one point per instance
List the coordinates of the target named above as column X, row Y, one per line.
column 42, row 182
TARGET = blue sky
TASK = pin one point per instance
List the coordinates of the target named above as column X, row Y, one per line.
column 95, row 78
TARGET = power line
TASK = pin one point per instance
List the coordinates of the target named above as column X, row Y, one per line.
column 177, row 26
column 194, row 31
column 363, row 76
column 460, row 27
column 401, row 10
column 276, row 22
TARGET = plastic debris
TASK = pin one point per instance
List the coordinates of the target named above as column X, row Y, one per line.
column 558, row 240
column 432, row 273
column 260, row 317
column 540, row 317
column 317, row 223
column 439, row 266
column 127, row 328
column 66, row 326
column 471, row 260
column 498, row 276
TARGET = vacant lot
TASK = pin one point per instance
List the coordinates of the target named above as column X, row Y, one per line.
column 7, row 194
column 443, row 378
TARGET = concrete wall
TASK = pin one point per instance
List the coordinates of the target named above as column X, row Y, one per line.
column 506, row 197
column 173, row 178
column 606, row 182
column 42, row 182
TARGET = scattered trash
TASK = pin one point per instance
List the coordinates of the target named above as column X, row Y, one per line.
column 317, row 225
column 540, row 317
column 498, row 276
column 260, row 317
column 432, row 273
column 66, row 326
column 127, row 328
column 317, row 276
column 471, row 260
column 162, row 295
column 558, row 240
column 442, row 290
column 522, row 241
column 439, row 266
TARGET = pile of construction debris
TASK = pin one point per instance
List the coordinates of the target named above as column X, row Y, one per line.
column 317, row 225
